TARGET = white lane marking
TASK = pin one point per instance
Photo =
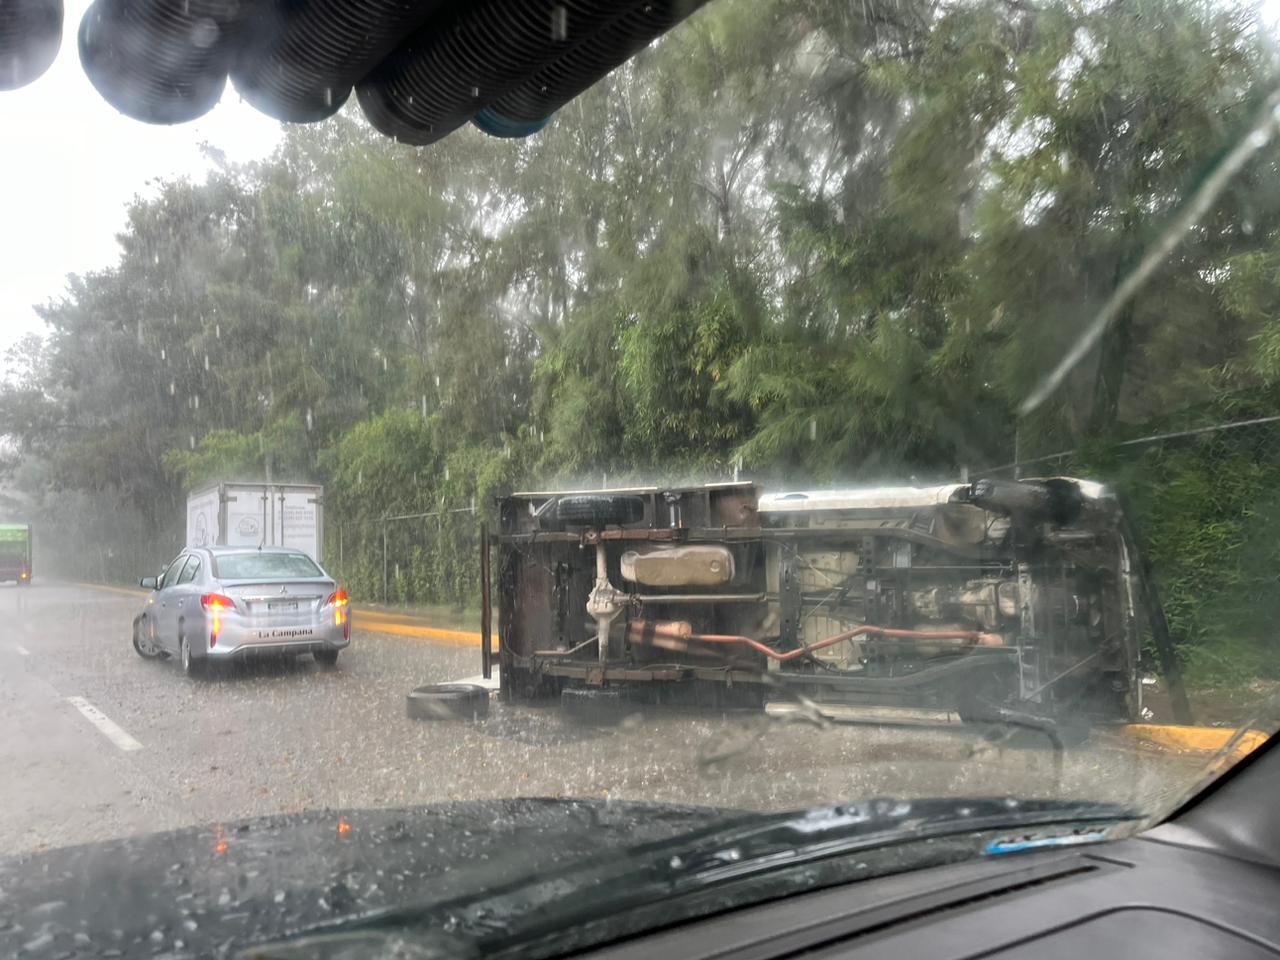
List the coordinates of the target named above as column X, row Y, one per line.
column 106, row 726
column 22, row 650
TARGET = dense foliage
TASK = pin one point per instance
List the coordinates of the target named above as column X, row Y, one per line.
column 808, row 239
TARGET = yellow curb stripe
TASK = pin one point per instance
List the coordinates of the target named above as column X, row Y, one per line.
column 399, row 624
column 459, row 637
column 380, row 613
column 384, row 617
column 1193, row 739
column 396, row 616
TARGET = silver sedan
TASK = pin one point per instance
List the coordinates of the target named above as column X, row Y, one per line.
column 223, row 603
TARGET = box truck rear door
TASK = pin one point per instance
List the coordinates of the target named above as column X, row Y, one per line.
column 297, row 520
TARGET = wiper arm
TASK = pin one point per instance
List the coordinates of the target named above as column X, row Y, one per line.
column 777, row 841
column 748, row 848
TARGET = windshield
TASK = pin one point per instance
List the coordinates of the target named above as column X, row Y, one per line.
column 701, row 408
column 266, row 566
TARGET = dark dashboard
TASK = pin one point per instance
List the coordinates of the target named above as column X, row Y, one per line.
column 1205, row 884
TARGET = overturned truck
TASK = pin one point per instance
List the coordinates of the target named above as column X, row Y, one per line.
column 987, row 600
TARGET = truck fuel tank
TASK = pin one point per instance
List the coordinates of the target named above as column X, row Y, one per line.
column 695, row 565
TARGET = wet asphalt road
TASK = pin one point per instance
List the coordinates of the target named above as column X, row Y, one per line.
column 286, row 736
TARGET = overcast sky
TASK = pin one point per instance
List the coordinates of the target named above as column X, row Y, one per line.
column 69, row 163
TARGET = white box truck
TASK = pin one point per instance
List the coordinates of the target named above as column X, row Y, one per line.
column 250, row 514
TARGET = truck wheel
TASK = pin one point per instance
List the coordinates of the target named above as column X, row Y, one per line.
column 191, row 666
column 326, row 658
column 598, row 511
column 142, row 643
column 448, row 701
column 600, row 706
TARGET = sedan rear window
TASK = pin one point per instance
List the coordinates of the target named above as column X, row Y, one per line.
column 265, row 566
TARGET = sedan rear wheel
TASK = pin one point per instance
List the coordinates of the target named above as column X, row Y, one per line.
column 190, row 665
column 326, row 658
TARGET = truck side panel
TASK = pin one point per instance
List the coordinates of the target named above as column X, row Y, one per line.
column 202, row 518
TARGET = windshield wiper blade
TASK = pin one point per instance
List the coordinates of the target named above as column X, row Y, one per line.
column 741, row 850
column 778, row 841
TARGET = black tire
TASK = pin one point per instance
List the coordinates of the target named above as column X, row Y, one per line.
column 599, row 706
column 326, row 658
column 193, row 667
column 144, row 647
column 598, row 511
column 448, row 701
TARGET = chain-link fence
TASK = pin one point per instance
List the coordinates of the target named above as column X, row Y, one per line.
column 421, row 558
column 1205, row 502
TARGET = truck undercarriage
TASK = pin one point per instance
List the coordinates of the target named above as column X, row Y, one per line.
column 986, row 599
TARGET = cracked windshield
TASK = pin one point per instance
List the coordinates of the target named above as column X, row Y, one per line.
column 450, row 445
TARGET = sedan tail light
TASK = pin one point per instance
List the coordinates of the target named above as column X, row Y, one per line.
column 341, row 615
column 217, row 604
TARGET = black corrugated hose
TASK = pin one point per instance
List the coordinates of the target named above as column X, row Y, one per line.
column 299, row 61
column 447, row 72
column 30, row 35
column 421, row 68
column 160, row 61
column 537, row 98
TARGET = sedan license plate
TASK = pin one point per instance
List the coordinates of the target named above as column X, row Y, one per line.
column 282, row 606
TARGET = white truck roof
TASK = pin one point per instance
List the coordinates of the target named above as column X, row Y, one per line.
column 890, row 498
column 865, row 498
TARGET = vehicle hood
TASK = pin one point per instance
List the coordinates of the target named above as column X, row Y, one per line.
column 211, row 890
column 481, row 878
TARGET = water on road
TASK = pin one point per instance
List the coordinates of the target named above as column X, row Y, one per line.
column 99, row 743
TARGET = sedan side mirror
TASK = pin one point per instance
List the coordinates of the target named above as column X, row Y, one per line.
column 150, row 583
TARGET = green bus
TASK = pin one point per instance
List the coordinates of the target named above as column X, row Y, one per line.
column 15, row 553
